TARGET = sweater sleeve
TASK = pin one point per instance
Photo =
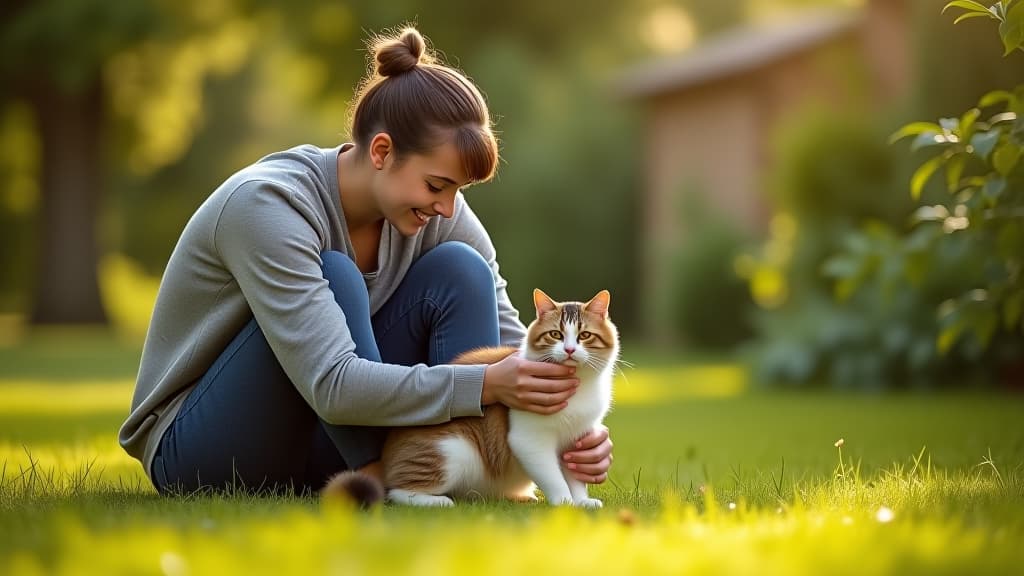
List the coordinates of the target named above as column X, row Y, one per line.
column 272, row 248
column 466, row 227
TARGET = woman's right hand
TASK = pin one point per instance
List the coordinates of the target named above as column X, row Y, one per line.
column 539, row 387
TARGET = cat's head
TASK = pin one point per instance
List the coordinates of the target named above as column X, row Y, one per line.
column 573, row 333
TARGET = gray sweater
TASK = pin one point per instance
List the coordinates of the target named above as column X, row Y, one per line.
column 253, row 249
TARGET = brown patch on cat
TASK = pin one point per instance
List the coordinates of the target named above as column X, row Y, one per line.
column 411, row 458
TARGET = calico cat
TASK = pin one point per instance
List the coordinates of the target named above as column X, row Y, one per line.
column 504, row 453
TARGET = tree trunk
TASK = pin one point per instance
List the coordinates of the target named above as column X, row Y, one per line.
column 66, row 287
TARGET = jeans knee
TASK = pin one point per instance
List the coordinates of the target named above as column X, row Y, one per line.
column 461, row 264
column 342, row 274
column 336, row 265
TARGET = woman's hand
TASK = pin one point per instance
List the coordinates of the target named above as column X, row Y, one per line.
column 592, row 457
column 539, row 387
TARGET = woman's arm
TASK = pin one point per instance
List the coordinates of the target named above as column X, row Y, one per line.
column 273, row 252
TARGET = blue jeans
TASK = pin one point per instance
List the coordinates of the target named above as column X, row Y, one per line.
column 245, row 426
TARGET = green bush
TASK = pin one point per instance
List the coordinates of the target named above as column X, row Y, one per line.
column 980, row 317
column 833, row 173
column 883, row 334
column 711, row 306
column 869, row 305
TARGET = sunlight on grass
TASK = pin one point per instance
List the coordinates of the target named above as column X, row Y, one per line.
column 680, row 539
column 41, row 397
column 698, row 486
column 63, row 461
column 100, row 461
column 662, row 384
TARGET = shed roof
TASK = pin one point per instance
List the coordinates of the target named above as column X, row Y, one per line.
column 735, row 52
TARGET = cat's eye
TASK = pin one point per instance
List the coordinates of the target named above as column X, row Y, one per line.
column 585, row 335
column 555, row 334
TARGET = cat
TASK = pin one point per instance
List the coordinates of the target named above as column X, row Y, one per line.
column 507, row 453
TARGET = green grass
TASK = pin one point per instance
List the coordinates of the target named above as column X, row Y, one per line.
column 708, row 478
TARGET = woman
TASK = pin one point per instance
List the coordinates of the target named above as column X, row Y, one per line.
column 315, row 297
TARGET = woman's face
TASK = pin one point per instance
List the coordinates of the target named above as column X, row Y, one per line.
column 420, row 187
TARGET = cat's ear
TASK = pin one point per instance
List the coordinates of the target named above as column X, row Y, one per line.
column 542, row 302
column 599, row 304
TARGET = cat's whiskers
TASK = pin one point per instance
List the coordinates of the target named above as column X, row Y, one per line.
column 602, row 363
column 545, row 357
column 590, row 362
column 621, row 371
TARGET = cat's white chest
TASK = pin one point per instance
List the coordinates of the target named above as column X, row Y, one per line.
column 586, row 409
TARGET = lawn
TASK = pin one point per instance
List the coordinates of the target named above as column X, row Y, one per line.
column 709, row 478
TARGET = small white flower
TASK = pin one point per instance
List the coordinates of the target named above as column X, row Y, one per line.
column 839, row 443
column 732, row 505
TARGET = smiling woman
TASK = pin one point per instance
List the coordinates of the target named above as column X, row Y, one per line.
column 317, row 296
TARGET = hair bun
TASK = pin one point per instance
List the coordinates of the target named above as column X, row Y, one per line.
column 399, row 55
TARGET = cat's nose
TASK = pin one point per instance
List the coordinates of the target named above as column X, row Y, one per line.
column 569, row 350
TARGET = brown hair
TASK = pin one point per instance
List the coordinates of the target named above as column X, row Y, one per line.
column 418, row 101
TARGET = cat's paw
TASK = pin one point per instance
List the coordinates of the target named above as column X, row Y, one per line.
column 589, row 503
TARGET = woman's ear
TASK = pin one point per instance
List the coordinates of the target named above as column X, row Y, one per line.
column 380, row 148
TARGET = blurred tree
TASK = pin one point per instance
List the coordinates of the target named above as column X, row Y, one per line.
column 132, row 75
column 154, row 103
column 53, row 57
column 74, row 63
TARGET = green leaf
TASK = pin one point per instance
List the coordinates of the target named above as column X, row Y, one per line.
column 1012, row 29
column 954, row 169
column 914, row 128
column 921, row 176
column 948, row 337
column 967, row 15
column 995, row 97
column 926, row 139
column 1005, row 158
column 967, row 123
column 983, row 142
column 966, row 5
column 1003, row 117
column 841, row 266
column 993, row 188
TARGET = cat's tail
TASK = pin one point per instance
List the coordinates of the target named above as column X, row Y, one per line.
column 358, row 488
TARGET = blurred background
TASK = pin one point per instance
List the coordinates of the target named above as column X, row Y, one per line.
column 724, row 166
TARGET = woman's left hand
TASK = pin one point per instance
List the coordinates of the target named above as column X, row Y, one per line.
column 590, row 460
